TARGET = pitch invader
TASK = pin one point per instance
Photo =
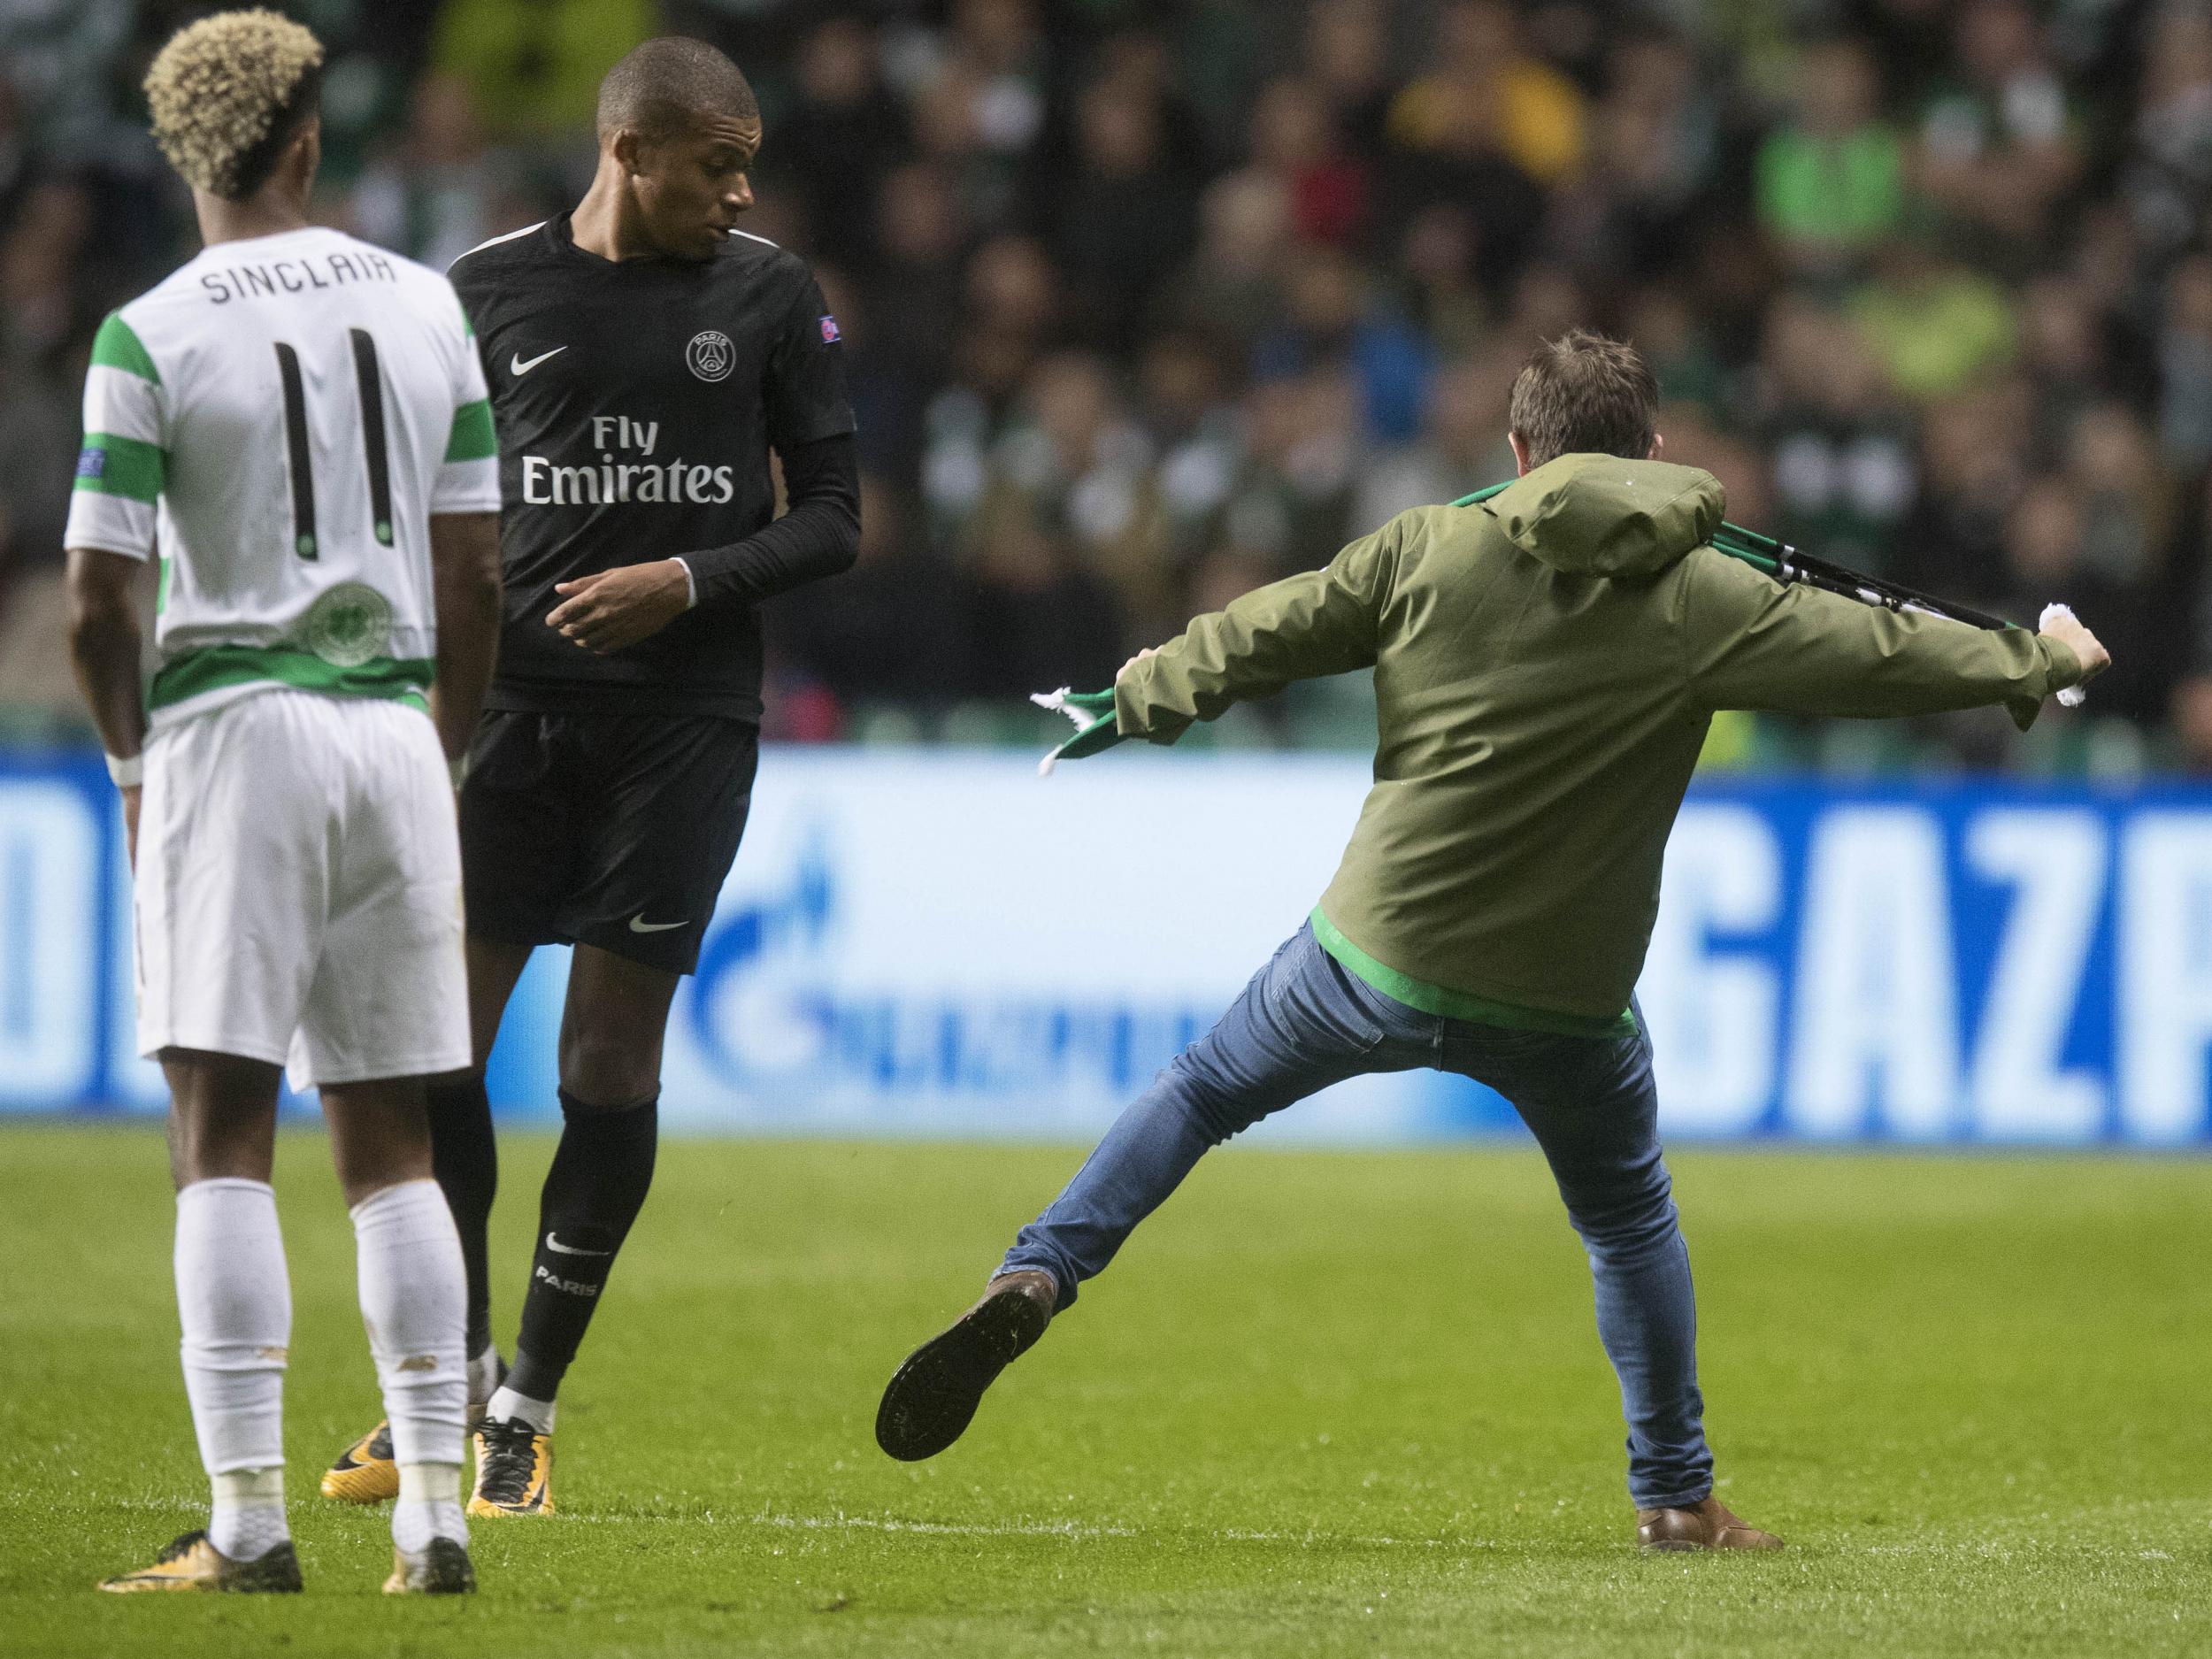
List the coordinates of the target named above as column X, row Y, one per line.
column 297, row 422
column 645, row 357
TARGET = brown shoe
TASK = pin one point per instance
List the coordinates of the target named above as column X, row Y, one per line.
column 931, row 1398
column 1706, row 1525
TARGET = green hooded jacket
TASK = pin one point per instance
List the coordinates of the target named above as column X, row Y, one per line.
column 1546, row 664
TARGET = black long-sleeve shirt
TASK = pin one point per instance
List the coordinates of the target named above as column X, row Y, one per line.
column 636, row 404
column 817, row 535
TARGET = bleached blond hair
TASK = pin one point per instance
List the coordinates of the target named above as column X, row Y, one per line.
column 224, row 94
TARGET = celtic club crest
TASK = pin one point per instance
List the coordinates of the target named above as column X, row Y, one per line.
column 711, row 355
column 349, row 626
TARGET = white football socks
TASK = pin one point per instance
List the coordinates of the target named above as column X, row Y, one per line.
column 414, row 1300
column 236, row 1307
column 508, row 1406
column 249, row 1518
column 484, row 1374
column 429, row 1506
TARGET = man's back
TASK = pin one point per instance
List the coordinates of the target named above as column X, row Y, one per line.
column 1546, row 665
column 290, row 409
column 1534, row 741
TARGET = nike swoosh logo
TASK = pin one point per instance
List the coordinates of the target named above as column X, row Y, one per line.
column 554, row 1245
column 516, row 365
column 639, row 925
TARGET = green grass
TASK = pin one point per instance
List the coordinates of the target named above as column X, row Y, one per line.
column 1327, row 1403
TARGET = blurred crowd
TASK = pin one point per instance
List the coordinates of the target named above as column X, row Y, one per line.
column 1146, row 303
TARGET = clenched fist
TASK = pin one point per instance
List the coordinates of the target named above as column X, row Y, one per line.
column 2066, row 628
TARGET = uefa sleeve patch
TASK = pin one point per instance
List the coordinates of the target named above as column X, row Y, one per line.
column 92, row 462
column 830, row 337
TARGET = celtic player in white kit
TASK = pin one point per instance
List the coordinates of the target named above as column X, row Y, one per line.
column 295, row 424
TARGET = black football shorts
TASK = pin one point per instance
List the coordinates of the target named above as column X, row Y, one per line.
column 613, row 830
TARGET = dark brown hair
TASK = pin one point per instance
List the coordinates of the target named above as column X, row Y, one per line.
column 1584, row 394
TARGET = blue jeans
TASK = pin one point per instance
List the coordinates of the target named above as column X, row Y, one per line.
column 1306, row 1021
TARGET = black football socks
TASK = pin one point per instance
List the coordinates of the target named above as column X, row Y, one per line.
column 465, row 1158
column 593, row 1192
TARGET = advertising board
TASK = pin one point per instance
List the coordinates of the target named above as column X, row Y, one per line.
column 938, row 942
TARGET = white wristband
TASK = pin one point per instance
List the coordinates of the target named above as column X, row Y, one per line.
column 128, row 774
column 691, row 585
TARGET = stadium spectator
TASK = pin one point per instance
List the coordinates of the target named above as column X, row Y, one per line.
column 1842, row 447
column 1336, row 317
column 532, row 66
column 1233, row 285
column 1346, row 52
column 438, row 192
column 1459, row 446
column 1653, row 151
column 2185, row 365
column 1831, row 181
column 1121, row 216
column 895, row 633
column 1187, row 415
column 1999, row 141
column 1936, row 324
column 1049, row 616
column 1295, row 141
column 911, row 272
column 1534, row 115
column 2169, row 170
column 843, row 135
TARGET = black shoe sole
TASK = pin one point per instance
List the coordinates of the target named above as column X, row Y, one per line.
column 450, row 1571
column 931, row 1398
column 276, row 1573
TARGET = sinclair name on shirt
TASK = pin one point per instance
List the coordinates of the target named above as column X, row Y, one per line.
column 273, row 277
column 615, row 479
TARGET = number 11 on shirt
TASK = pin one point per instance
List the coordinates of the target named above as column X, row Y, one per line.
column 370, row 379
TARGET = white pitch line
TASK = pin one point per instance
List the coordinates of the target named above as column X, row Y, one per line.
column 1085, row 1530
column 1079, row 1530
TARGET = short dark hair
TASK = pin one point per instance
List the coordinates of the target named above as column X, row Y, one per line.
column 664, row 85
column 1584, row 394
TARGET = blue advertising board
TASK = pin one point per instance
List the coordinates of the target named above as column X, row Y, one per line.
column 938, row 942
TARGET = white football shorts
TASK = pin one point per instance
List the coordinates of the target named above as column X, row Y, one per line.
column 298, row 892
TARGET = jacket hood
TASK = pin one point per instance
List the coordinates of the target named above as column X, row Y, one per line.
column 1597, row 515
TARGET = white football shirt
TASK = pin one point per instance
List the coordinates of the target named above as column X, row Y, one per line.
column 280, row 418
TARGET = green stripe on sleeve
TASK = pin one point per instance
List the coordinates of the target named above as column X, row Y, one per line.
column 1481, row 1010
column 215, row 667
column 117, row 347
column 121, row 466
column 472, row 439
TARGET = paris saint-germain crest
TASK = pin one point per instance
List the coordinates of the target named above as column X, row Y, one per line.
column 711, row 355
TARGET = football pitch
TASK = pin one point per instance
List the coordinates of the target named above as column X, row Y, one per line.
column 1326, row 1403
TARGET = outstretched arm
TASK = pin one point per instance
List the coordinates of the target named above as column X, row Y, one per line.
column 1318, row 622
column 1754, row 644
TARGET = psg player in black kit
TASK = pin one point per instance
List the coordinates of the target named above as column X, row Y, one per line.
column 645, row 356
